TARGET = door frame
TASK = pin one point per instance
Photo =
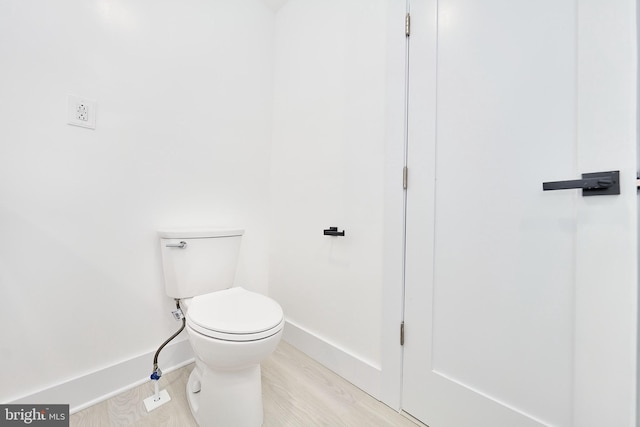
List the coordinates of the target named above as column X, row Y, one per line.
column 614, row 62
column 393, row 231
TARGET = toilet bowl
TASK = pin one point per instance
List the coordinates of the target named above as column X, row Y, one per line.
column 231, row 330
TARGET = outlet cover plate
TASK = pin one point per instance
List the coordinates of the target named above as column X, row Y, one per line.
column 81, row 112
column 151, row 403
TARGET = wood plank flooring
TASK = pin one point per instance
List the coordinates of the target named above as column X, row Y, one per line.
column 297, row 392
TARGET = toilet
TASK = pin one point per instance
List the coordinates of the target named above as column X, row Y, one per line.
column 230, row 329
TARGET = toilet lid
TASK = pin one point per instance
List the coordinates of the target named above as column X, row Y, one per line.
column 234, row 311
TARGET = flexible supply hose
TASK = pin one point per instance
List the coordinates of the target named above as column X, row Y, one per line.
column 155, row 375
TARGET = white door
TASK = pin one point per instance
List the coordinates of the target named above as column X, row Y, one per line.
column 520, row 305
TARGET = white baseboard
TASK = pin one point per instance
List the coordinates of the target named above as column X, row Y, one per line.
column 354, row 369
column 87, row 390
column 93, row 388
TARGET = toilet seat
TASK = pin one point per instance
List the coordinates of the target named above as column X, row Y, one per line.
column 235, row 314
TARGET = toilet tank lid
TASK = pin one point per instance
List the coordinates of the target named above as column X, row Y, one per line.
column 199, row 232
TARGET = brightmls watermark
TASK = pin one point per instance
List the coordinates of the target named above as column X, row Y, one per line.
column 34, row 415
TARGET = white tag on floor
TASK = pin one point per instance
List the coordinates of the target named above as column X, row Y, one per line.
column 153, row 402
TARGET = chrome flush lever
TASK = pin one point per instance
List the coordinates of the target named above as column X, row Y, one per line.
column 180, row 245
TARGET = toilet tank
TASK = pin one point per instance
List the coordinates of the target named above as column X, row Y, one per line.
column 199, row 261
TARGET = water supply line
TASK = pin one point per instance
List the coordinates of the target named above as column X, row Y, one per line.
column 157, row 373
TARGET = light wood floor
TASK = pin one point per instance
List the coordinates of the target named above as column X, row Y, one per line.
column 298, row 392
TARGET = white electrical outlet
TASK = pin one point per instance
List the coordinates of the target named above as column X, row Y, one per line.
column 81, row 112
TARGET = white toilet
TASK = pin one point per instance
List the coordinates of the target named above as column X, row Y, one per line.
column 231, row 330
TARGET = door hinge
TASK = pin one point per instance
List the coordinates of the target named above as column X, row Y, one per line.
column 402, row 333
column 407, row 25
column 405, row 177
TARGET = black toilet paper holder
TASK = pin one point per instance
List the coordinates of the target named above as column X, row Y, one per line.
column 333, row 231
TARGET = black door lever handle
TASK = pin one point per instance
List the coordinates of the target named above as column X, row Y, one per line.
column 585, row 184
column 592, row 184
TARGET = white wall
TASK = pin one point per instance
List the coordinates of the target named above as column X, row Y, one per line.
column 328, row 170
column 184, row 95
column 190, row 98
